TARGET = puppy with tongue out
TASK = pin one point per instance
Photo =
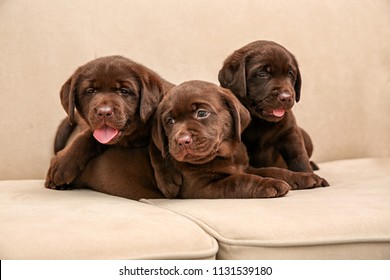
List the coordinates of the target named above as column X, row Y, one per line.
column 266, row 79
column 113, row 100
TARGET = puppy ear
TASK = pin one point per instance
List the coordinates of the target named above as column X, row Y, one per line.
column 158, row 134
column 151, row 94
column 297, row 86
column 241, row 116
column 67, row 95
column 233, row 76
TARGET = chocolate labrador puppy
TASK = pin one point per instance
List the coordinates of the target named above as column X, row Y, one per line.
column 198, row 132
column 266, row 79
column 114, row 100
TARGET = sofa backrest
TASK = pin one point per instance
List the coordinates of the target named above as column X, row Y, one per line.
column 342, row 48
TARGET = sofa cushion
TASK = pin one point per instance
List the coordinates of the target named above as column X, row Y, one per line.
column 348, row 220
column 37, row 223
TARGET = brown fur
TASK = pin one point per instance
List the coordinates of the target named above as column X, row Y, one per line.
column 265, row 76
column 198, row 133
column 116, row 92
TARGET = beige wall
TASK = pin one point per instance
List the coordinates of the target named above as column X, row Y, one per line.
column 343, row 48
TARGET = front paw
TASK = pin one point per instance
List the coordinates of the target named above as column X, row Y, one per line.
column 273, row 188
column 50, row 185
column 170, row 184
column 305, row 180
column 61, row 173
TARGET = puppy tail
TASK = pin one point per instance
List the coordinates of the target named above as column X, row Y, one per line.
column 63, row 133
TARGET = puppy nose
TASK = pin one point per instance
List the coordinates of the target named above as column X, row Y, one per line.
column 184, row 140
column 285, row 97
column 104, row 112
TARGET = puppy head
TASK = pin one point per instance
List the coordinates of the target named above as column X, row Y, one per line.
column 195, row 118
column 114, row 95
column 265, row 77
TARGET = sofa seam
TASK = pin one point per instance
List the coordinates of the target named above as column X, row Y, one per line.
column 277, row 244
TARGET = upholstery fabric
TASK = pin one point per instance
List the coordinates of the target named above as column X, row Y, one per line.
column 348, row 220
column 37, row 223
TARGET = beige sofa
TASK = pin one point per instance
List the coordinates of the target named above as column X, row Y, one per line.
column 344, row 55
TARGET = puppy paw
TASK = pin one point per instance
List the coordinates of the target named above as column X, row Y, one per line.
column 61, row 173
column 170, row 184
column 273, row 188
column 50, row 185
column 303, row 180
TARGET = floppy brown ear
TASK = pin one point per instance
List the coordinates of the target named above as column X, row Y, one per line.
column 67, row 95
column 151, row 94
column 297, row 86
column 241, row 116
column 233, row 76
column 158, row 134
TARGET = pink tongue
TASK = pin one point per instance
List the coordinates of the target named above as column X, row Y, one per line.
column 278, row 112
column 105, row 134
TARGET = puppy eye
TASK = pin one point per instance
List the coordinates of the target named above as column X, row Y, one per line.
column 202, row 114
column 291, row 74
column 264, row 72
column 170, row 120
column 90, row 91
column 124, row 91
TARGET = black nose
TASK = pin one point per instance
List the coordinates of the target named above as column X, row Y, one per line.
column 104, row 112
column 285, row 97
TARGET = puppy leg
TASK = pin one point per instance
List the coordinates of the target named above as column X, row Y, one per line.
column 63, row 133
column 297, row 180
column 67, row 164
column 121, row 172
column 309, row 148
column 293, row 151
column 168, row 178
column 238, row 186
